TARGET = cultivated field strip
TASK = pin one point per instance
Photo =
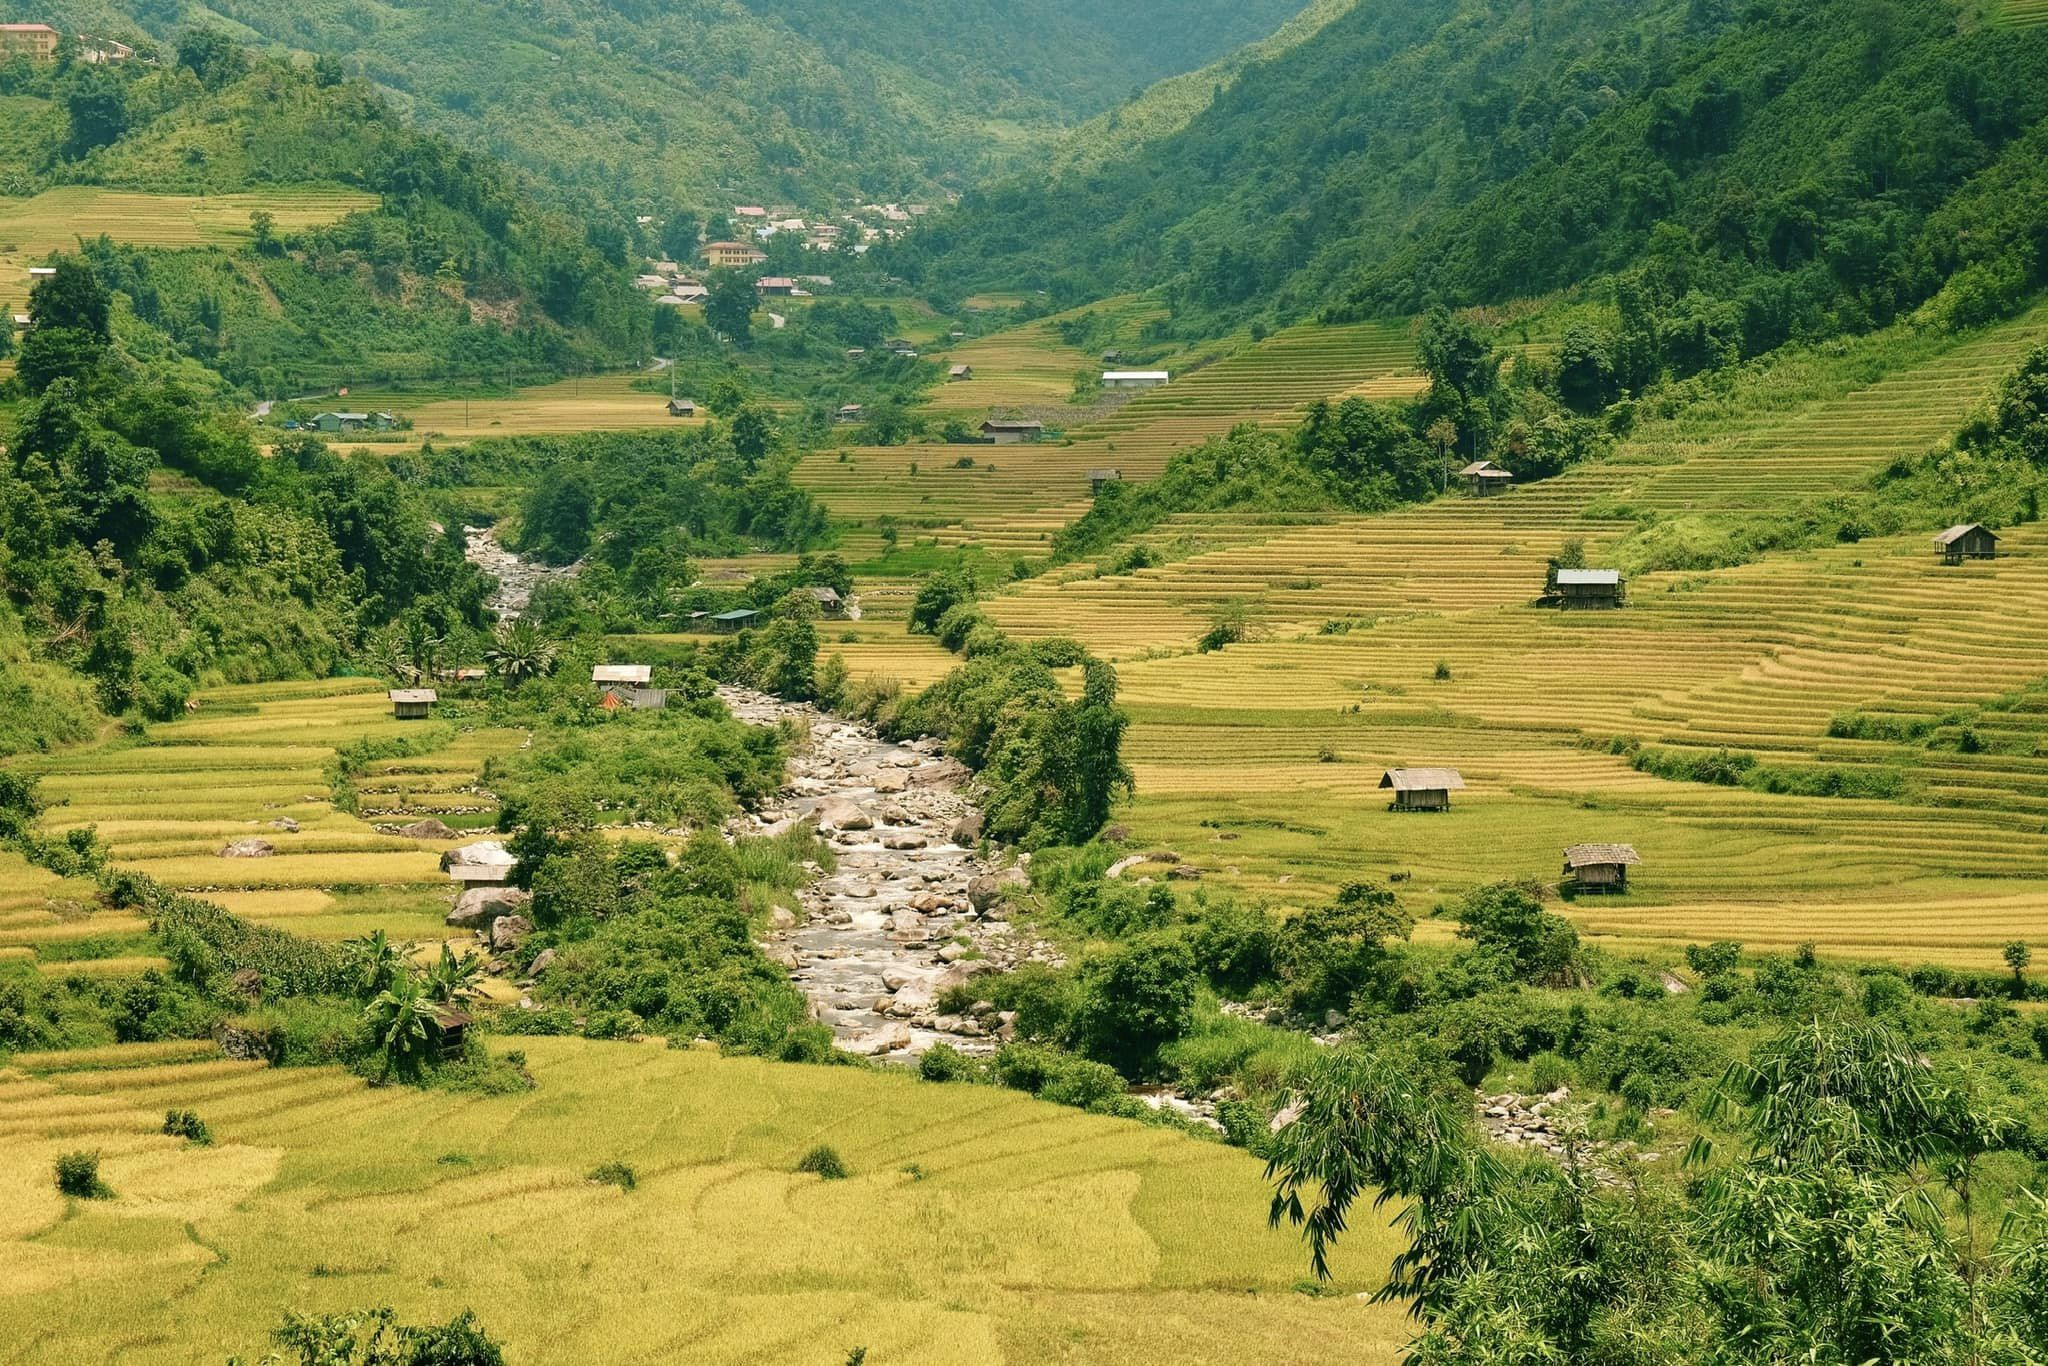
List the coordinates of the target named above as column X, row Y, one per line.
column 253, row 762
column 994, row 1227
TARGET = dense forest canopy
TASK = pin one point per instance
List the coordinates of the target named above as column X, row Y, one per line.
column 792, row 98
column 1800, row 169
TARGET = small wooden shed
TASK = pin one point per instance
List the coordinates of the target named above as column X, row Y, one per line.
column 1011, row 433
column 413, row 704
column 1600, row 867
column 728, row 622
column 681, row 407
column 828, row 599
column 1422, row 789
column 630, row 675
column 1484, row 478
column 959, row 372
column 1097, row 479
column 1971, row 542
column 451, row 1030
column 634, row 699
column 1589, row 587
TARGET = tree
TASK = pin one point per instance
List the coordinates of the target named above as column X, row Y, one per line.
column 70, row 325
column 520, row 651
column 404, row 1026
column 1508, row 924
column 1100, row 775
column 212, row 56
column 2018, row 957
column 753, row 434
column 422, row 645
column 938, row 595
column 452, row 980
column 729, row 309
column 97, row 106
column 263, row 233
column 1585, row 369
column 679, row 236
column 374, row 962
column 1136, row 998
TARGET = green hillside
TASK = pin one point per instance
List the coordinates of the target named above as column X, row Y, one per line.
column 800, row 99
column 1801, row 168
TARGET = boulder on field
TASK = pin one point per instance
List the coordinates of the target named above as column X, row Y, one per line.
column 507, row 931
column 484, row 861
column 479, row 906
column 841, row 814
column 428, row 829
column 249, row 848
column 286, row 824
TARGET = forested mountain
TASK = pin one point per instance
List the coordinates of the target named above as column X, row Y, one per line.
column 1800, row 168
column 459, row 265
column 701, row 99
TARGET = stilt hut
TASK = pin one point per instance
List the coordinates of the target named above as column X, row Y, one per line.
column 1970, row 542
column 1422, row 789
column 413, row 704
column 1599, row 867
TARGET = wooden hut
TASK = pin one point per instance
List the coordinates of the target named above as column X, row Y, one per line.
column 1970, row 542
column 1600, row 867
column 728, row 622
column 634, row 699
column 1422, row 789
column 1005, row 432
column 1589, row 587
column 412, row 704
column 451, row 1030
column 629, row 675
column 1098, row 479
column 681, row 407
column 1484, row 478
column 828, row 599
column 959, row 373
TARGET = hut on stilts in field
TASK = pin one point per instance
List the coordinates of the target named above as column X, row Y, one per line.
column 1422, row 789
column 1599, row 867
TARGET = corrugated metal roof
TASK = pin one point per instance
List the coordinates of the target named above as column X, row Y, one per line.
column 1596, row 855
column 1588, row 577
column 1423, row 780
column 1956, row 533
column 414, row 695
column 622, row 673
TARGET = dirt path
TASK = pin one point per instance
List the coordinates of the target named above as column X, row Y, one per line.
column 909, row 913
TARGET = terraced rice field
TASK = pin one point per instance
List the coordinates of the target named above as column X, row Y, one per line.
column 1010, row 499
column 1260, row 763
column 591, row 403
column 30, row 229
column 250, row 759
column 978, row 1226
column 2024, row 13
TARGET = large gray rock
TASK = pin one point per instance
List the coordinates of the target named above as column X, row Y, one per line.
column 507, row 931
column 479, row 906
column 542, row 961
column 249, row 848
column 488, row 855
column 428, row 829
column 841, row 814
column 967, row 830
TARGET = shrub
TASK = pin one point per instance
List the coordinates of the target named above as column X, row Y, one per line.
column 1547, row 1072
column 943, row 1062
column 78, row 1174
column 188, row 1126
column 824, row 1161
column 614, row 1174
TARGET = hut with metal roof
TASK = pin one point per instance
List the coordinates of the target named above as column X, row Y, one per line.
column 1484, row 478
column 630, row 675
column 1422, row 789
column 734, row 621
column 1099, row 479
column 1589, row 587
column 1971, row 541
column 1599, row 867
column 412, row 704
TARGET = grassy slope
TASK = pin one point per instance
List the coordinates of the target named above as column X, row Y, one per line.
column 1033, row 1234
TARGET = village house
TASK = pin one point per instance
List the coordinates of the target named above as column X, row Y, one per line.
column 1422, row 789
column 102, row 51
column 1135, row 379
column 627, row 675
column 634, row 699
column 958, row 373
column 469, row 673
column 1589, row 587
column 850, row 413
column 412, row 704
column 749, row 211
column 1969, row 542
column 1600, row 867
column 733, row 255
column 725, row 623
column 486, row 863
column 37, row 42
column 829, row 601
column 686, row 292
column 1011, row 432
column 776, row 285
column 353, row 422
column 653, row 284
column 1484, row 478
column 681, row 407
column 1098, row 479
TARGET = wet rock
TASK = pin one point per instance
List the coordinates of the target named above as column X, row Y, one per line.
column 837, row 813
column 249, row 848
column 904, row 842
column 967, row 830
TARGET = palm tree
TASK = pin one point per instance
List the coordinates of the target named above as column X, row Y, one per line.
column 453, row 980
column 521, row 651
column 374, row 961
column 422, row 646
column 404, row 1022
